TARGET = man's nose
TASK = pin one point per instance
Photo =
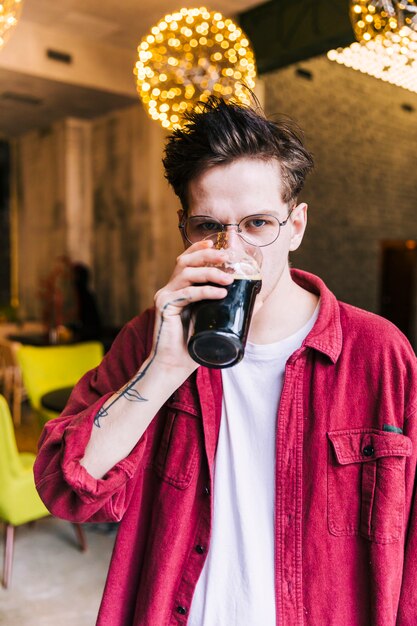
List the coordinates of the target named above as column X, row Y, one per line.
column 232, row 232
column 232, row 236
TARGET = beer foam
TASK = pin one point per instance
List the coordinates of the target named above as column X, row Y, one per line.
column 247, row 277
column 243, row 264
column 244, row 268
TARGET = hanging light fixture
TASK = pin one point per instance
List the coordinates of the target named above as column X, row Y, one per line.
column 408, row 14
column 386, row 47
column 371, row 18
column 188, row 56
column 9, row 16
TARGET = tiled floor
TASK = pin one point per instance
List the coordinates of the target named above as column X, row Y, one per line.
column 53, row 583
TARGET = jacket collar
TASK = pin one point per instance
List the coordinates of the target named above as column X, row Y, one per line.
column 326, row 334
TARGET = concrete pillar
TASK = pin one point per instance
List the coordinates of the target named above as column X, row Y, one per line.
column 78, row 190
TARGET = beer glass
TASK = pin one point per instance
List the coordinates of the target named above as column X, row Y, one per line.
column 219, row 328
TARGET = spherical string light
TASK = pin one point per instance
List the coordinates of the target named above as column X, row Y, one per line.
column 407, row 13
column 9, row 15
column 371, row 18
column 188, row 56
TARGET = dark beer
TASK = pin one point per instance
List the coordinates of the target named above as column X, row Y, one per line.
column 221, row 326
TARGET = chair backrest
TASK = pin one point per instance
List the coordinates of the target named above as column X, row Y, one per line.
column 7, row 355
column 10, row 463
column 19, row 500
column 47, row 368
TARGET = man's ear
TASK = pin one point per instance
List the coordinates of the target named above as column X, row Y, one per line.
column 181, row 214
column 298, row 222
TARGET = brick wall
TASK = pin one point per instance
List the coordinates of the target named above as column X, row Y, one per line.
column 364, row 188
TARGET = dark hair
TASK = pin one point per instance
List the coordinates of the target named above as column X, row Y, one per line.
column 81, row 274
column 218, row 132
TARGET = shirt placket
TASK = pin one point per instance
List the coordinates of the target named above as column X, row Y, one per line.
column 200, row 545
column 195, row 561
column 288, row 496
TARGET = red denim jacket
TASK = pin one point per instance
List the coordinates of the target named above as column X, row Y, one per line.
column 345, row 518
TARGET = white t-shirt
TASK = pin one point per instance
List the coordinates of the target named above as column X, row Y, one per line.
column 236, row 586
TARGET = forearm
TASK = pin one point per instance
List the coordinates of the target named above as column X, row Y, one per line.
column 123, row 419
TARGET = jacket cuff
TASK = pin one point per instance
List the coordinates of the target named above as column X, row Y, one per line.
column 75, row 439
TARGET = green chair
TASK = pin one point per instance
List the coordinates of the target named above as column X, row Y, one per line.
column 49, row 368
column 19, row 500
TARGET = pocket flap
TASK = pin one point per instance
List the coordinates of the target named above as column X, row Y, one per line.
column 185, row 399
column 179, row 406
column 361, row 445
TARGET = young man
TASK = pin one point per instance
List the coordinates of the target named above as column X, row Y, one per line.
column 277, row 492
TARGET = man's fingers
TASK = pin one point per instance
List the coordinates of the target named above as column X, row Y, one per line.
column 196, row 267
column 201, row 255
column 173, row 303
column 193, row 275
column 205, row 292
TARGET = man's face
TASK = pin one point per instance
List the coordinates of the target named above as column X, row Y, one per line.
column 246, row 187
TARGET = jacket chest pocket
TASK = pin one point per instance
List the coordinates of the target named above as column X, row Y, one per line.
column 366, row 483
column 182, row 439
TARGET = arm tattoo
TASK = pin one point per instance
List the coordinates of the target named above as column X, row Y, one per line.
column 127, row 391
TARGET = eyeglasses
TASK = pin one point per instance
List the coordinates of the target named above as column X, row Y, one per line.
column 259, row 230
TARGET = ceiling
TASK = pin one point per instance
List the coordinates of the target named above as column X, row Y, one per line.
column 29, row 101
column 115, row 22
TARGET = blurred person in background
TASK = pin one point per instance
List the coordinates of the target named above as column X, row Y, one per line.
column 88, row 324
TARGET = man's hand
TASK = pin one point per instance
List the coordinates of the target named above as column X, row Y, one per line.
column 194, row 269
column 123, row 419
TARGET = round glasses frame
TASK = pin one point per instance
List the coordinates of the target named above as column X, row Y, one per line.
column 223, row 227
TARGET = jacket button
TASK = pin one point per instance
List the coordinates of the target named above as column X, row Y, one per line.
column 200, row 549
column 207, row 491
column 181, row 610
column 368, row 451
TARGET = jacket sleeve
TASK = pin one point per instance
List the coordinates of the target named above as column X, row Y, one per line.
column 407, row 608
column 65, row 487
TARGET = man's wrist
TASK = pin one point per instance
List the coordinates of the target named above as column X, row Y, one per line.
column 156, row 371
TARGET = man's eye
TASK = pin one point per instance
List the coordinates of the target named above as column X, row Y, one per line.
column 255, row 223
column 209, row 226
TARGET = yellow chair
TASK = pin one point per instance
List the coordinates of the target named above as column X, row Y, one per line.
column 19, row 500
column 49, row 368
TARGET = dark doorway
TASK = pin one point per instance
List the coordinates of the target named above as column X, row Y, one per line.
column 398, row 285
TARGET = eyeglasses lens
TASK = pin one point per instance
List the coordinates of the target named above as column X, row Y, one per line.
column 260, row 229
